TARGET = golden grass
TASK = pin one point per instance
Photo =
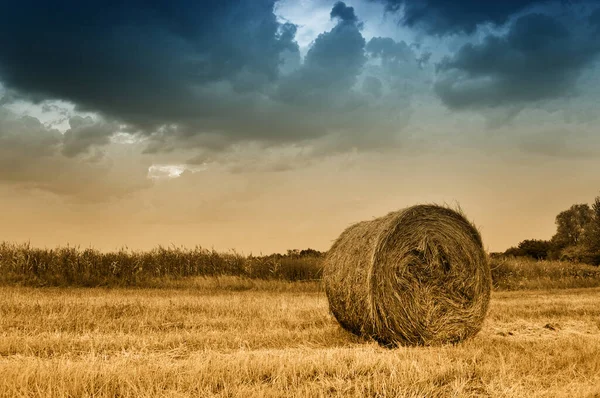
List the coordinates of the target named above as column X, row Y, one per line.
column 528, row 274
column 278, row 339
column 22, row 265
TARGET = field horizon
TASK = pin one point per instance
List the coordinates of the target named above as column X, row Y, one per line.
column 170, row 267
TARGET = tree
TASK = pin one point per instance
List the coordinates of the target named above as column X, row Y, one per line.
column 311, row 253
column 533, row 248
column 592, row 236
column 571, row 226
column 593, row 230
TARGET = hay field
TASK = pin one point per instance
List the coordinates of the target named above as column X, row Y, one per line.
column 231, row 337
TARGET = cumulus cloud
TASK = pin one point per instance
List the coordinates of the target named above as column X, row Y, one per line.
column 140, row 62
column 399, row 69
column 331, row 99
column 441, row 17
column 86, row 133
column 342, row 11
column 390, row 50
column 24, row 142
column 331, row 66
column 193, row 74
column 539, row 58
column 217, row 86
column 395, row 56
column 31, row 157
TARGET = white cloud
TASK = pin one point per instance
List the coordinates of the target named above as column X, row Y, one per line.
column 170, row 171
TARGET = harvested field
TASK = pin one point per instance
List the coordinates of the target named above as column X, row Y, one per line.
column 230, row 338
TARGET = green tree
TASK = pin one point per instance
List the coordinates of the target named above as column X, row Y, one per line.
column 571, row 226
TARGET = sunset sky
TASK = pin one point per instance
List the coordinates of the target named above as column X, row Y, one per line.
column 262, row 126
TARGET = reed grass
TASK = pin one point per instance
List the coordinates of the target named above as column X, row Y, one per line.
column 173, row 267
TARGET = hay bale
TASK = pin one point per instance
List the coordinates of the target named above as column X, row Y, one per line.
column 418, row 276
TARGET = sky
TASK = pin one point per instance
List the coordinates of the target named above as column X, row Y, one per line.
column 262, row 125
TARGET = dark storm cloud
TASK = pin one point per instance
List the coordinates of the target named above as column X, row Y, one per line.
column 342, row 11
column 189, row 74
column 331, row 66
column 539, row 58
column 143, row 62
column 595, row 19
column 203, row 76
column 442, row 16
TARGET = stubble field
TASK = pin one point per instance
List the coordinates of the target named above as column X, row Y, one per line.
column 229, row 337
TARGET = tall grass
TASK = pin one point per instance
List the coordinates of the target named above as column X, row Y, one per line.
column 72, row 266
column 517, row 273
column 21, row 264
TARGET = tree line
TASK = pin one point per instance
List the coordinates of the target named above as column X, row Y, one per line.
column 577, row 237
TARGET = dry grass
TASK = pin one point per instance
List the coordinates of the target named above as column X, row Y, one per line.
column 171, row 267
column 73, row 266
column 528, row 274
column 278, row 339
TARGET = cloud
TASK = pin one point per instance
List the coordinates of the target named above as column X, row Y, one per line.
column 398, row 66
column 321, row 103
column 86, row 133
column 595, row 20
column 331, row 66
column 342, row 11
column 23, row 141
column 373, row 86
column 540, row 58
column 194, row 74
column 31, row 157
column 390, row 50
column 398, row 60
column 140, row 62
column 170, row 171
column 440, row 17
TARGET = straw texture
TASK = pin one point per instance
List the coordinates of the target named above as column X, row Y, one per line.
column 418, row 276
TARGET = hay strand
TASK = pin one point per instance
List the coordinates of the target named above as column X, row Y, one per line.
column 418, row 276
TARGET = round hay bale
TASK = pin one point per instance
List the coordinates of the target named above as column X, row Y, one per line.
column 418, row 276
